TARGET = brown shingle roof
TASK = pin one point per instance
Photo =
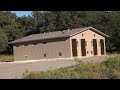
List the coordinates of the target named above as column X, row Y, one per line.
column 57, row 34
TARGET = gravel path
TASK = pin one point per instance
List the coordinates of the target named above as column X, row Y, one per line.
column 16, row 70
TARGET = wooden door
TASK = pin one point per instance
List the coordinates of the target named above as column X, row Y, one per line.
column 83, row 47
column 74, row 47
column 102, row 46
column 95, row 47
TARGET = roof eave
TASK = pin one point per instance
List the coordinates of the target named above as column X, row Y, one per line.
column 36, row 40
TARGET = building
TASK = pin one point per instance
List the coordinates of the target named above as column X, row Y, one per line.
column 79, row 42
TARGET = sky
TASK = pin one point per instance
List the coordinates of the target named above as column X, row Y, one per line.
column 22, row 13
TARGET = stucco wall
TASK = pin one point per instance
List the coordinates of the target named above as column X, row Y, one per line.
column 88, row 35
column 54, row 46
column 51, row 49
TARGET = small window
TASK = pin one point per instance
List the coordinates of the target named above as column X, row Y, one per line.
column 91, row 43
column 82, row 34
column 60, row 54
column 99, row 43
column 34, row 43
column 44, row 42
column 77, row 43
column 44, row 55
column 94, row 35
column 91, row 52
column 26, row 45
column 87, row 52
column 85, row 43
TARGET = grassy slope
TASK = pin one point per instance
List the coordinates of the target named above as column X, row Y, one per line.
column 109, row 69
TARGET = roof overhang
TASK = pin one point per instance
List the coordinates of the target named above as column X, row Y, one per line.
column 14, row 42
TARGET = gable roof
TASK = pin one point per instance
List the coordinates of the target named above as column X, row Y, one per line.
column 57, row 34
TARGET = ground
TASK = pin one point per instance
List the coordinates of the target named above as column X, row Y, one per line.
column 16, row 69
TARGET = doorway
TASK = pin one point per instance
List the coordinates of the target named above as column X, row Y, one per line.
column 102, row 47
column 74, row 47
column 95, row 47
column 83, row 47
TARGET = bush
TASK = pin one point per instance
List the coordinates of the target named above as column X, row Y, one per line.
column 112, row 63
column 6, row 58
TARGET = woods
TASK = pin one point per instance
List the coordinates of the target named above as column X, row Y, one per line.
column 13, row 27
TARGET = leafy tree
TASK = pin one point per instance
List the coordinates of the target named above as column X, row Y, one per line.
column 3, row 40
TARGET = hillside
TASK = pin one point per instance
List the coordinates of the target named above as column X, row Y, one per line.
column 109, row 69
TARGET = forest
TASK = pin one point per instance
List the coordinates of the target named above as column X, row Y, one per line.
column 13, row 27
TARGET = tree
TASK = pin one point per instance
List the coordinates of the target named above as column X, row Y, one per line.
column 3, row 40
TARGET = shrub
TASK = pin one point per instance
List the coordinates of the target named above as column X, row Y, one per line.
column 6, row 58
column 112, row 63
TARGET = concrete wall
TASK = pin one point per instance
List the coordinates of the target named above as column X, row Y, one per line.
column 88, row 35
column 35, row 52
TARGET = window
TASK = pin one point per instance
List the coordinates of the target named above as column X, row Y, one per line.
column 26, row 45
column 85, row 43
column 99, row 43
column 44, row 42
column 77, row 43
column 60, row 54
column 94, row 35
column 91, row 52
column 44, row 55
column 87, row 52
column 91, row 43
column 82, row 34
column 34, row 43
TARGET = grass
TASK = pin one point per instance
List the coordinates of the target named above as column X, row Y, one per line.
column 109, row 69
column 6, row 58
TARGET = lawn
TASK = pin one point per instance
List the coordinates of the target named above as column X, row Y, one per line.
column 109, row 69
column 6, row 58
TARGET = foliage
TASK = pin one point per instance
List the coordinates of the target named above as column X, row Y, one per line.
column 48, row 21
column 113, row 63
column 6, row 58
column 3, row 40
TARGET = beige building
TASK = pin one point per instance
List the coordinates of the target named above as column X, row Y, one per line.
column 79, row 42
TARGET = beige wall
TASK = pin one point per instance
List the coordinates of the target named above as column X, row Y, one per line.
column 88, row 36
column 51, row 49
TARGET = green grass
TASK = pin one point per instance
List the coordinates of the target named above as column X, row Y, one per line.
column 6, row 58
column 109, row 69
